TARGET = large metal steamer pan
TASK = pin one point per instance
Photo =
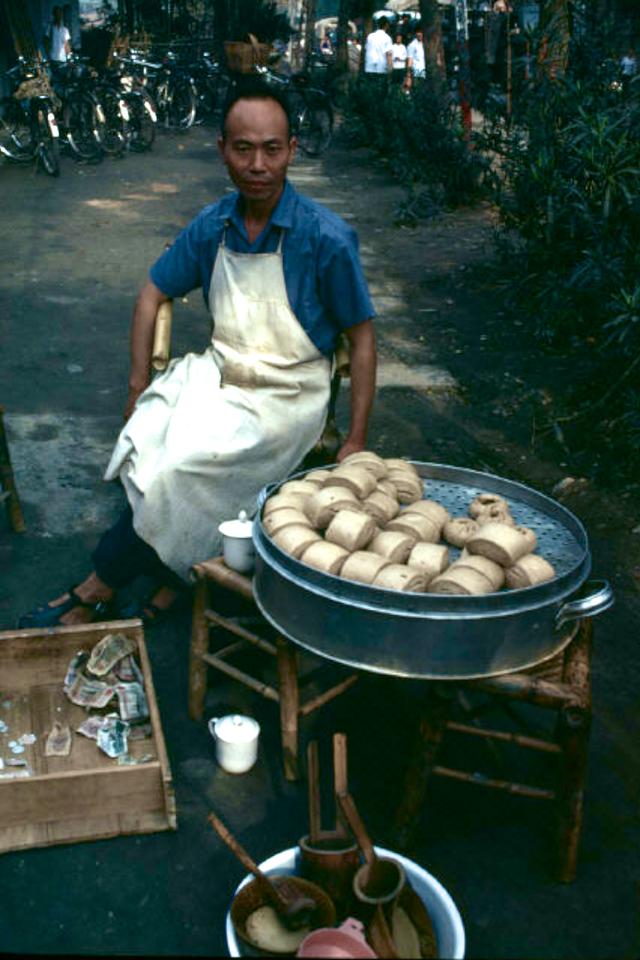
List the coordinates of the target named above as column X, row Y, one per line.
column 434, row 636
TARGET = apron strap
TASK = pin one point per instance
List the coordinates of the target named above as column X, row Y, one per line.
column 223, row 239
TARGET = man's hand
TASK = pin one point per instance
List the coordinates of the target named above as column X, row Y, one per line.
column 349, row 446
column 132, row 399
column 362, row 344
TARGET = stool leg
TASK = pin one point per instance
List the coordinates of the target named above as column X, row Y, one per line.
column 14, row 510
column 289, row 706
column 199, row 645
column 573, row 735
column 431, row 729
column 574, row 724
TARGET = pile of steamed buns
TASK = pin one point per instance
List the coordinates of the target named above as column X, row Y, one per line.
column 366, row 520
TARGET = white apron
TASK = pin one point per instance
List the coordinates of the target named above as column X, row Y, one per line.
column 215, row 427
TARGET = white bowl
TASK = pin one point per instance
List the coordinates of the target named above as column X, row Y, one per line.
column 444, row 914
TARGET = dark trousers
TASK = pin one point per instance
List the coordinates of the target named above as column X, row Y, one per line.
column 121, row 556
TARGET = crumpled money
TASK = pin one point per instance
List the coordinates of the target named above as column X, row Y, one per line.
column 58, row 743
column 90, row 726
column 108, row 651
column 128, row 761
column 112, row 736
column 75, row 666
column 89, row 693
column 140, row 731
column 132, row 701
column 127, row 670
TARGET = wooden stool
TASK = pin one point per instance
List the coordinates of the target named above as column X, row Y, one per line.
column 205, row 620
column 8, row 490
column 562, row 685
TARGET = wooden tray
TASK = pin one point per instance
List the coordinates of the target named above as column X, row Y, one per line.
column 87, row 795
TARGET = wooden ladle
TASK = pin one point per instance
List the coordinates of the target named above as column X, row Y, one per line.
column 381, row 879
column 294, row 909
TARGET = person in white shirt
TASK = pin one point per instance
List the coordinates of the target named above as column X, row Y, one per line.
column 377, row 54
column 59, row 38
column 398, row 60
column 416, row 66
column 628, row 63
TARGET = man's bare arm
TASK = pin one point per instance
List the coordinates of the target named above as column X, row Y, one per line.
column 141, row 341
column 362, row 341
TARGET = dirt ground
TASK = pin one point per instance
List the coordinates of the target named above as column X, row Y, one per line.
column 460, row 383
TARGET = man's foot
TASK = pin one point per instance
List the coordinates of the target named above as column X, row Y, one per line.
column 77, row 605
column 154, row 608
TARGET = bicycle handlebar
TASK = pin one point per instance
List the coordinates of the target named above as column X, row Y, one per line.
column 136, row 62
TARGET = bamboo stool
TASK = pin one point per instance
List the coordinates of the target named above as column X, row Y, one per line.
column 562, row 685
column 206, row 621
column 8, row 489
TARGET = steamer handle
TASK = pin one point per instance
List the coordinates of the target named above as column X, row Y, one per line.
column 266, row 492
column 599, row 598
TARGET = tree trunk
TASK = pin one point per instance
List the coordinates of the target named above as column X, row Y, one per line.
column 342, row 52
column 309, row 30
column 432, row 29
column 553, row 52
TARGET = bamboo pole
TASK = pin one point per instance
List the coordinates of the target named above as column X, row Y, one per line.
column 239, row 631
column 519, row 789
column 216, row 570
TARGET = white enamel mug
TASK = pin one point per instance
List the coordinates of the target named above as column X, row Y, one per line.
column 237, row 543
column 236, row 740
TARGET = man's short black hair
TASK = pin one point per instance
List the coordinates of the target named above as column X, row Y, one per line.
column 382, row 23
column 254, row 88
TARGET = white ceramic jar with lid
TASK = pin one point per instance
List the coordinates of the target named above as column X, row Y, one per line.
column 236, row 740
column 237, row 543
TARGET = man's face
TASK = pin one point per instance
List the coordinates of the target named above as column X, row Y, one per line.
column 257, row 148
column 419, row 36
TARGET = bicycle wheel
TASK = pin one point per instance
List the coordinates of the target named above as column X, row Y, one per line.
column 114, row 131
column 315, row 129
column 16, row 139
column 142, row 121
column 181, row 105
column 48, row 141
column 83, row 125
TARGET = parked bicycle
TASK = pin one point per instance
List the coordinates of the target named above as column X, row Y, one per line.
column 170, row 86
column 143, row 115
column 210, row 82
column 81, row 116
column 28, row 126
column 311, row 110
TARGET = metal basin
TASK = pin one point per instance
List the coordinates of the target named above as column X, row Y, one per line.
column 436, row 636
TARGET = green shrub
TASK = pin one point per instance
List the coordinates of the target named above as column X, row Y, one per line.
column 566, row 180
column 421, row 138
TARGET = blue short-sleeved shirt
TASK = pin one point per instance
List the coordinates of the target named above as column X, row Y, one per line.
column 323, row 275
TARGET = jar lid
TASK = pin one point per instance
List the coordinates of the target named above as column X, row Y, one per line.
column 242, row 527
column 235, row 728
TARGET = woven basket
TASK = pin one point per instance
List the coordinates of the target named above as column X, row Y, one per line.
column 243, row 57
column 35, row 87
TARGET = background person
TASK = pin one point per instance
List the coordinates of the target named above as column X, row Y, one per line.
column 377, row 52
column 416, row 64
column 58, row 39
column 398, row 61
column 282, row 278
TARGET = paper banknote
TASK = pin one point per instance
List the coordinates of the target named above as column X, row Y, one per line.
column 58, row 743
column 108, row 651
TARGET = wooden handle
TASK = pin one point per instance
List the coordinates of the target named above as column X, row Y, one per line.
column 313, row 773
column 351, row 815
column 340, row 778
column 235, row 846
column 380, row 935
column 268, row 888
column 162, row 336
